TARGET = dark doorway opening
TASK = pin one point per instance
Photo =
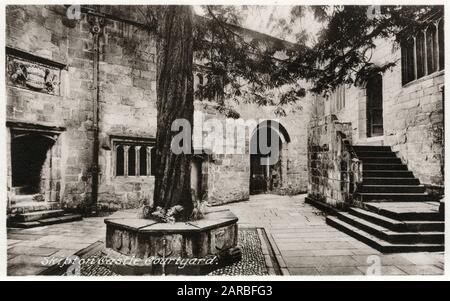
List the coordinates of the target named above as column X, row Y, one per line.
column 29, row 164
column 265, row 177
column 374, row 111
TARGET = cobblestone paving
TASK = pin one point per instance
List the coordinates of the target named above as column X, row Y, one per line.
column 252, row 262
column 96, row 270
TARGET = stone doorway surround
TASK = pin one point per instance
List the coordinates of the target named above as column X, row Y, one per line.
column 48, row 190
column 265, row 178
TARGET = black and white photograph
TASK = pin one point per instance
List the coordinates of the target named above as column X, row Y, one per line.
column 221, row 139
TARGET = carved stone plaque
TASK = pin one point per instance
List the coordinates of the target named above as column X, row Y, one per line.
column 32, row 75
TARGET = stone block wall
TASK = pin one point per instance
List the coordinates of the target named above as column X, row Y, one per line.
column 413, row 117
column 328, row 165
column 127, row 97
column 40, row 31
column 127, row 72
column 126, row 108
column 229, row 174
column 295, row 152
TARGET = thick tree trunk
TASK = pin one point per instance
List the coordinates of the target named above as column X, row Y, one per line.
column 175, row 100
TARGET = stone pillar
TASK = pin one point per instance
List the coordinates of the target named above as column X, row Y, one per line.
column 125, row 159
column 114, row 160
column 415, row 57
column 138, row 162
column 425, row 53
column 284, row 165
column 436, row 42
column 149, row 160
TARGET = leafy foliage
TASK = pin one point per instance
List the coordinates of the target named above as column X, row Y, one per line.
column 258, row 68
column 252, row 65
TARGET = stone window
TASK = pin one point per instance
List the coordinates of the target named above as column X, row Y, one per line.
column 133, row 158
column 337, row 99
column 423, row 54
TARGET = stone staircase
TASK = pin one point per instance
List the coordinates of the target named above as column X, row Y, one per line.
column 392, row 212
column 30, row 210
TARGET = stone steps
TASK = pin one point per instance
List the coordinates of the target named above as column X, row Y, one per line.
column 394, row 213
column 391, row 236
column 397, row 225
column 387, row 173
column 37, row 215
column 410, row 211
column 46, row 221
column 32, row 206
column 392, row 188
column 392, row 196
column 376, row 154
column 26, row 198
column 390, row 181
column 380, row 244
column 382, row 166
column 371, row 148
column 383, row 160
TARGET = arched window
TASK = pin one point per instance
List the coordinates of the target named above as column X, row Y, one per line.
column 408, row 61
column 120, row 168
column 420, row 55
column 441, row 43
column 424, row 53
column 143, row 161
column 131, row 161
column 153, row 161
column 132, row 156
column 432, row 48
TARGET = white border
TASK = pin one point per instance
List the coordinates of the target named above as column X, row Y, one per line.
column 3, row 254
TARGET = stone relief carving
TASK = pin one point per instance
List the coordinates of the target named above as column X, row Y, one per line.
column 33, row 76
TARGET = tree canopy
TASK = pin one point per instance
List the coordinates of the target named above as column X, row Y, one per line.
column 339, row 54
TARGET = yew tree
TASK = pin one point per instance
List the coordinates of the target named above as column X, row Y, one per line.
column 336, row 55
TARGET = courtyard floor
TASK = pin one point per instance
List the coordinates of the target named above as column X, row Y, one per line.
column 302, row 243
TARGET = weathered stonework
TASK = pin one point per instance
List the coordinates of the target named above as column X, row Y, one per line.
column 127, row 98
column 332, row 171
column 229, row 174
column 91, row 99
column 413, row 118
column 212, row 236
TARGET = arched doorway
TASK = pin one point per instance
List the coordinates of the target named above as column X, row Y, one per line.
column 30, row 162
column 268, row 144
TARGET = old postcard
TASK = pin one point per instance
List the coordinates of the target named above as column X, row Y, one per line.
column 224, row 140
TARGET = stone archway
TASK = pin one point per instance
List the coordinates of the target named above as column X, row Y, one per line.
column 34, row 171
column 268, row 147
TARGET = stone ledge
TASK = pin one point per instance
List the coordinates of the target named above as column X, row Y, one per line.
column 215, row 234
column 211, row 220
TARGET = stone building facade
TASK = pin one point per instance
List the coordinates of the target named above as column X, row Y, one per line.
column 402, row 108
column 81, row 117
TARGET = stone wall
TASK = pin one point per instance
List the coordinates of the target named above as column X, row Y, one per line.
column 229, row 174
column 41, row 32
column 329, row 162
column 126, row 109
column 127, row 97
column 413, row 117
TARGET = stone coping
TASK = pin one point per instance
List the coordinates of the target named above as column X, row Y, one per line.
column 211, row 220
